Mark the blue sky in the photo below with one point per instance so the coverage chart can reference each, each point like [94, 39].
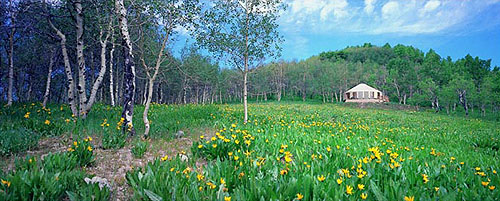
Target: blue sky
[451, 27]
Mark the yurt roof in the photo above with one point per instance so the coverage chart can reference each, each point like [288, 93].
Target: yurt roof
[362, 87]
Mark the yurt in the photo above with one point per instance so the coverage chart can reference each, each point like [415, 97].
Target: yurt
[362, 93]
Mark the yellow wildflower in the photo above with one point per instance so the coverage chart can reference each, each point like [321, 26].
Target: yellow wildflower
[47, 122]
[200, 177]
[339, 181]
[227, 198]
[6, 182]
[321, 178]
[361, 186]
[412, 198]
[299, 196]
[425, 178]
[348, 190]
[364, 196]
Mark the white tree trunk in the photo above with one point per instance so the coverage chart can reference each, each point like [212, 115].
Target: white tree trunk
[82, 95]
[67, 70]
[245, 94]
[129, 82]
[102, 71]
[111, 81]
[49, 77]
[159, 60]
[11, 65]
[146, 108]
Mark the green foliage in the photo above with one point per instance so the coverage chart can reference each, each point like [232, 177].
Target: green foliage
[83, 150]
[17, 140]
[53, 178]
[218, 146]
[58, 162]
[113, 140]
[246, 33]
[167, 180]
[89, 192]
[28, 163]
[140, 147]
[287, 149]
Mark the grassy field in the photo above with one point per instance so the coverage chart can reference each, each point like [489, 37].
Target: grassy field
[287, 151]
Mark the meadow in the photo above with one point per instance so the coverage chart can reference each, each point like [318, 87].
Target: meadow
[287, 151]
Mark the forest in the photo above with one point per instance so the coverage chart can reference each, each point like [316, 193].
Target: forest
[35, 68]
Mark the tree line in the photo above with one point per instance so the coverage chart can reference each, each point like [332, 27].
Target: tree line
[404, 73]
[120, 53]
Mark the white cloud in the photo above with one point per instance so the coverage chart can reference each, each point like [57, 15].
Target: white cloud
[390, 9]
[369, 6]
[326, 8]
[431, 5]
[335, 7]
[382, 16]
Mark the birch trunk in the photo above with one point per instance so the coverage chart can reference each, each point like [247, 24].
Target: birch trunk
[67, 70]
[11, 64]
[102, 71]
[49, 77]
[111, 81]
[147, 126]
[80, 58]
[159, 60]
[129, 76]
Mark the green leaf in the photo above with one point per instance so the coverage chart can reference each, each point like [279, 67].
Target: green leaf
[72, 196]
[153, 196]
[377, 192]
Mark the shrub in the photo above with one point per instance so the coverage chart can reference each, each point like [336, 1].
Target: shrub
[55, 177]
[113, 140]
[59, 162]
[164, 180]
[17, 140]
[139, 149]
[43, 125]
[28, 163]
[83, 150]
[40, 184]
[89, 192]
